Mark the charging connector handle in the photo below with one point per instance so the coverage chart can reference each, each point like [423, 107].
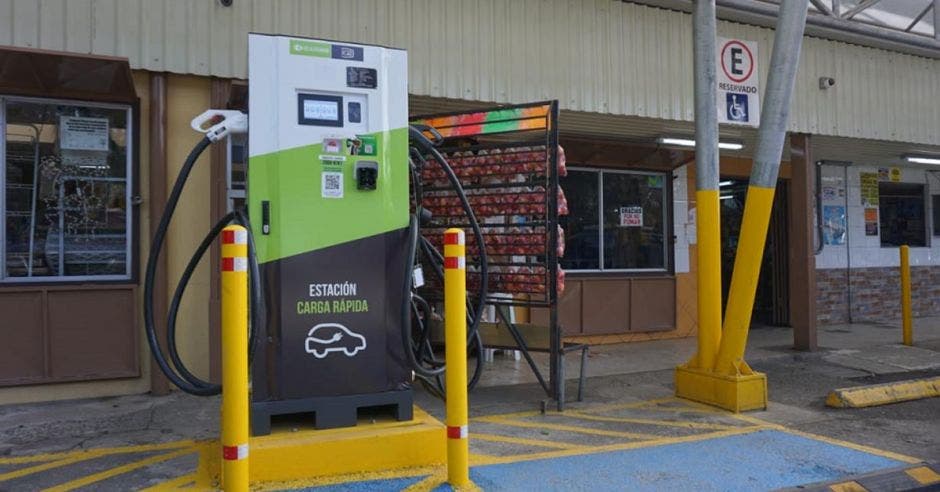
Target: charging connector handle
[219, 123]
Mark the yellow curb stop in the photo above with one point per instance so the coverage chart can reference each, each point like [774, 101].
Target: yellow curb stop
[883, 394]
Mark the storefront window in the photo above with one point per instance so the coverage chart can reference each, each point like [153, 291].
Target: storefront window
[902, 214]
[616, 221]
[66, 188]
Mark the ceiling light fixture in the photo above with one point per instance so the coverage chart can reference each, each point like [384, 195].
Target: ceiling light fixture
[688, 142]
[922, 159]
[725, 183]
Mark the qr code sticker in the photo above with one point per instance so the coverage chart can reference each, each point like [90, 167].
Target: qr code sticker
[332, 185]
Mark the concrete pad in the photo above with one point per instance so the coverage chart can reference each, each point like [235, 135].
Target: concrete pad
[903, 356]
[886, 359]
[784, 414]
[379, 445]
[849, 358]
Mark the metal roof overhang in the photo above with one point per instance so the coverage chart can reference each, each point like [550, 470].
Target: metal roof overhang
[643, 132]
[764, 14]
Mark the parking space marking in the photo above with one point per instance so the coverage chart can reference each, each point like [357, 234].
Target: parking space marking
[561, 427]
[118, 470]
[924, 475]
[527, 442]
[658, 404]
[429, 478]
[22, 472]
[847, 487]
[685, 424]
[659, 441]
[177, 483]
[92, 453]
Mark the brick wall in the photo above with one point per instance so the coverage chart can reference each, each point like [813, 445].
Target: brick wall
[875, 294]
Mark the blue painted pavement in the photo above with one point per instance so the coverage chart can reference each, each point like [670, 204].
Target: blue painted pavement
[761, 460]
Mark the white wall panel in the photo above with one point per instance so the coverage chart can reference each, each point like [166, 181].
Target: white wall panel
[595, 56]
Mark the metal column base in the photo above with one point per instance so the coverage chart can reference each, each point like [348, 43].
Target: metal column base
[331, 412]
[738, 393]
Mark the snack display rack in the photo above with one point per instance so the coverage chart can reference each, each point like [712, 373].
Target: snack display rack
[508, 161]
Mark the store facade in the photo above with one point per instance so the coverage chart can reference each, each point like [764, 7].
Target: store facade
[868, 211]
[70, 288]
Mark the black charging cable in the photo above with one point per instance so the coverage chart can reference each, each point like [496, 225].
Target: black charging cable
[174, 369]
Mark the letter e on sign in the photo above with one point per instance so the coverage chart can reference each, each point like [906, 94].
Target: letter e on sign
[737, 61]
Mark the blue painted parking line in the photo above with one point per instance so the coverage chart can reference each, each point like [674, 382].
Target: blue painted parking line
[760, 460]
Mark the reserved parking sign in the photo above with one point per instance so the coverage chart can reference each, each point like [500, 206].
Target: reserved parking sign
[738, 82]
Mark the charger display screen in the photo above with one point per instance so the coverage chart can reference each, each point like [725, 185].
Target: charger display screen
[319, 110]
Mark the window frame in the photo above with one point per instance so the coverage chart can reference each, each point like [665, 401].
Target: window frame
[934, 214]
[666, 221]
[130, 190]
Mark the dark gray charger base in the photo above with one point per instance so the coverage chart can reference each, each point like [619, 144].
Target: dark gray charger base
[331, 412]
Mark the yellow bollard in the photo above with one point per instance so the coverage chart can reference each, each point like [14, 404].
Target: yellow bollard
[455, 341]
[235, 358]
[906, 295]
[709, 277]
[747, 263]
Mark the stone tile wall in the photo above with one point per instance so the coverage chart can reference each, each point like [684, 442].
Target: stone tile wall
[875, 294]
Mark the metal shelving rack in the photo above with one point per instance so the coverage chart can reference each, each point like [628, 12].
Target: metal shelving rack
[22, 159]
[507, 161]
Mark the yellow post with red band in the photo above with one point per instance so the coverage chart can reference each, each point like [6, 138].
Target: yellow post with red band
[455, 341]
[906, 325]
[235, 358]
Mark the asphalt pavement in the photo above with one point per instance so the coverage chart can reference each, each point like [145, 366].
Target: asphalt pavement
[628, 418]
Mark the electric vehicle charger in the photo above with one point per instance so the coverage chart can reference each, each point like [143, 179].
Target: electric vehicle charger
[415, 331]
[331, 159]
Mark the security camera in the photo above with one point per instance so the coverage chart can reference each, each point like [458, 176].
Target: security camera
[226, 3]
[826, 82]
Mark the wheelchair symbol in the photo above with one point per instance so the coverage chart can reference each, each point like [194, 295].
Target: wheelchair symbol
[737, 106]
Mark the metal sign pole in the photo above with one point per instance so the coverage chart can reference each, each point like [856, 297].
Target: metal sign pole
[705, 33]
[775, 116]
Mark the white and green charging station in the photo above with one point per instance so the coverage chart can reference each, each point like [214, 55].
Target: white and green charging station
[328, 181]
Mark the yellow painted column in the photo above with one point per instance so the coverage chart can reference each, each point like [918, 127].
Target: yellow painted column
[709, 276]
[235, 358]
[906, 327]
[455, 342]
[747, 263]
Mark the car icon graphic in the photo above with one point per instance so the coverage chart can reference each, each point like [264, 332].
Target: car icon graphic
[333, 337]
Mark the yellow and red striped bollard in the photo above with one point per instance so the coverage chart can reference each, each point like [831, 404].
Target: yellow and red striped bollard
[235, 358]
[455, 342]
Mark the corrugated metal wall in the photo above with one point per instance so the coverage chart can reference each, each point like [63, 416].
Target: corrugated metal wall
[597, 56]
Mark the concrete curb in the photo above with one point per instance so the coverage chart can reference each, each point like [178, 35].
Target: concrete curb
[922, 476]
[883, 394]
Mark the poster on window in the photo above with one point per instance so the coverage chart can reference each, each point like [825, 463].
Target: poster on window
[871, 221]
[834, 224]
[81, 133]
[869, 182]
[631, 216]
